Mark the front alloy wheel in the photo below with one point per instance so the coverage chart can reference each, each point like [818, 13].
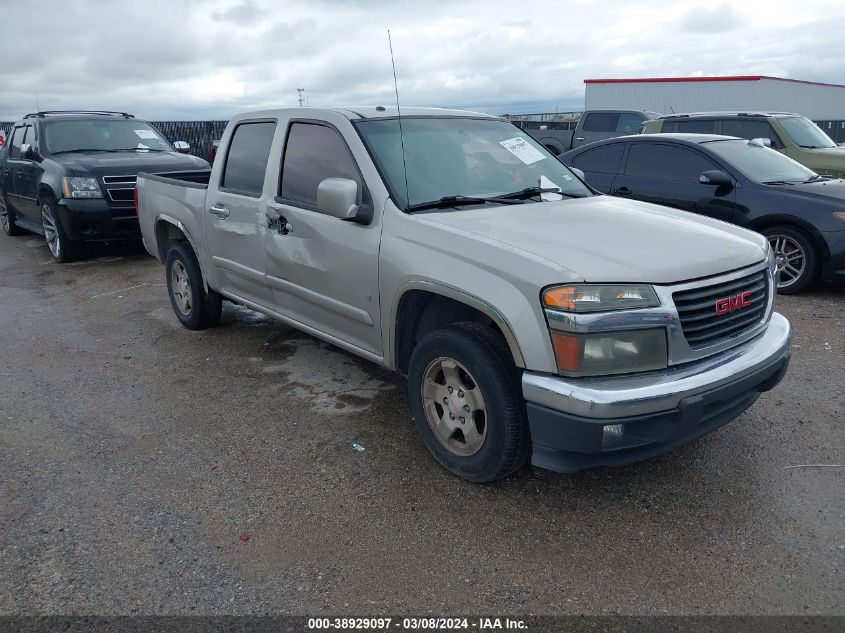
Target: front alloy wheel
[51, 230]
[454, 406]
[465, 395]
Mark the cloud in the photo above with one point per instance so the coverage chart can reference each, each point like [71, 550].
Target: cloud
[712, 19]
[213, 58]
[243, 13]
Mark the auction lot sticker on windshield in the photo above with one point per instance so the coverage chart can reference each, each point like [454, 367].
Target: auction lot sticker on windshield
[520, 148]
[146, 134]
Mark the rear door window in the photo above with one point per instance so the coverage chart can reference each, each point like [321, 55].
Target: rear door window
[666, 162]
[696, 127]
[602, 160]
[601, 122]
[16, 142]
[313, 153]
[246, 160]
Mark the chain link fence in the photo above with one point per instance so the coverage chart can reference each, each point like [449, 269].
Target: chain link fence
[199, 134]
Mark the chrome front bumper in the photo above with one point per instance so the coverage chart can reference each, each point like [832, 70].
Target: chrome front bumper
[623, 397]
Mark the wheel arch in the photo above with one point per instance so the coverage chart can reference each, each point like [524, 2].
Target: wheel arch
[46, 190]
[169, 230]
[794, 222]
[422, 306]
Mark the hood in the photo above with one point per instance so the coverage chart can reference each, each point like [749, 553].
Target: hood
[832, 191]
[825, 160]
[100, 164]
[608, 239]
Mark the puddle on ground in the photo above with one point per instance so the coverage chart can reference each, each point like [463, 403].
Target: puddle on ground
[331, 380]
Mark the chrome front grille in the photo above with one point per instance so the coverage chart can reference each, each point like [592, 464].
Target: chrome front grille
[701, 322]
[120, 189]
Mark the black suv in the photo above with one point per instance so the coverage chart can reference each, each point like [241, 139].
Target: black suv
[70, 176]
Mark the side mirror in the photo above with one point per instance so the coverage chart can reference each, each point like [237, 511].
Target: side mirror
[182, 147]
[27, 152]
[338, 197]
[578, 172]
[716, 177]
[760, 142]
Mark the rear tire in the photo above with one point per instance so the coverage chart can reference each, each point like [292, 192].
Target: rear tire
[466, 399]
[195, 307]
[7, 220]
[797, 258]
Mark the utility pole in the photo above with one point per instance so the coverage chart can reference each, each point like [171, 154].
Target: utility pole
[301, 92]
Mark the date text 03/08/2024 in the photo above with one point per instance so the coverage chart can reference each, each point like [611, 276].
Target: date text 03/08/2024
[418, 624]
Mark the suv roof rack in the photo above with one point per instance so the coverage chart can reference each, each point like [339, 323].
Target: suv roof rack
[46, 113]
[726, 113]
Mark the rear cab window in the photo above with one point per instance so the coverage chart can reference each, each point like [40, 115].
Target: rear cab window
[314, 152]
[601, 122]
[246, 160]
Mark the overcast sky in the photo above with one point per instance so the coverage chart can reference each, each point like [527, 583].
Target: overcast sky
[198, 59]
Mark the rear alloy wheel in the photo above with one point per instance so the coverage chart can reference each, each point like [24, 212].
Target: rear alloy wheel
[7, 220]
[195, 307]
[796, 258]
[61, 248]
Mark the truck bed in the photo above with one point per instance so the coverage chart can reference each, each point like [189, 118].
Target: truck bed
[178, 198]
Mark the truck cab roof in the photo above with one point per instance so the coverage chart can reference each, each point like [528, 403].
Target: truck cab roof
[356, 113]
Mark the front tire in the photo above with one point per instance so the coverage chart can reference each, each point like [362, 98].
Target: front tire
[797, 258]
[466, 400]
[61, 248]
[195, 307]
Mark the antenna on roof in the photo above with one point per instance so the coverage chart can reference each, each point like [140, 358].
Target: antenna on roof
[671, 109]
[399, 116]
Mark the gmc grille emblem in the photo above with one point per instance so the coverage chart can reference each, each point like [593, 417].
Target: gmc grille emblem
[730, 304]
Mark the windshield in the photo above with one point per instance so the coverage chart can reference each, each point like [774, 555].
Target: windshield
[102, 135]
[460, 156]
[805, 133]
[759, 163]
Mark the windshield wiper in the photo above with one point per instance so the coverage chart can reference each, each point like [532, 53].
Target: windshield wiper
[778, 182]
[447, 202]
[817, 178]
[83, 149]
[530, 192]
[138, 149]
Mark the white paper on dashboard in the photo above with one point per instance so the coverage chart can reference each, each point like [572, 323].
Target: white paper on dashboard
[145, 134]
[545, 183]
[522, 149]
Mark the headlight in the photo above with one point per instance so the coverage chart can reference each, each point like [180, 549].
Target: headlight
[600, 298]
[81, 188]
[610, 353]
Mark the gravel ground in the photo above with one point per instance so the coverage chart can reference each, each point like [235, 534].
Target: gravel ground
[146, 469]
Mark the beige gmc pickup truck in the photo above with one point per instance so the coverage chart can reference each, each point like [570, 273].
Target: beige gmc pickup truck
[535, 319]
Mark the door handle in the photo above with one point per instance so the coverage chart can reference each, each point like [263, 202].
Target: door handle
[219, 210]
[280, 225]
[621, 191]
[579, 138]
